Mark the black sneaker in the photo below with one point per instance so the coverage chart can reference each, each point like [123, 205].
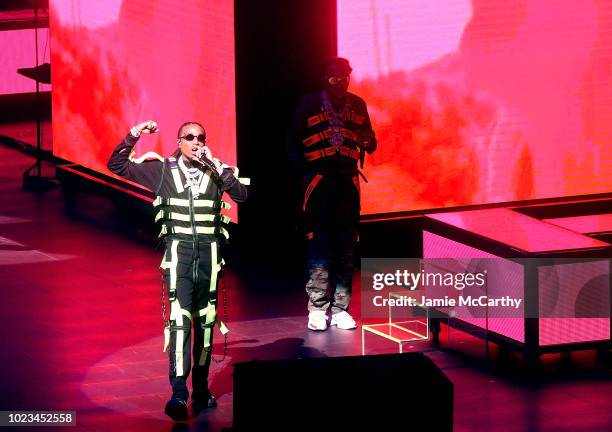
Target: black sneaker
[201, 403]
[176, 409]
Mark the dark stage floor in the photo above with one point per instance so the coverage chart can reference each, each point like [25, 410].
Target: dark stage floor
[82, 330]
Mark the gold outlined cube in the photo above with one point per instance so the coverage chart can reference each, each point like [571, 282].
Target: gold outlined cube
[400, 332]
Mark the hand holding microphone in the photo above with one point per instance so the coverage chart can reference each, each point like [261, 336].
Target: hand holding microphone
[205, 157]
[365, 141]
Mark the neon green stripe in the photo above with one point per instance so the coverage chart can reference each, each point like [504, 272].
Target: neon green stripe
[166, 338]
[185, 203]
[178, 348]
[207, 339]
[177, 179]
[199, 230]
[173, 264]
[205, 351]
[163, 214]
[201, 312]
[211, 317]
[187, 314]
[214, 267]
[223, 328]
[204, 183]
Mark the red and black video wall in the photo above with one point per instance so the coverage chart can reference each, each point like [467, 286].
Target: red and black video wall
[473, 101]
[119, 62]
[481, 101]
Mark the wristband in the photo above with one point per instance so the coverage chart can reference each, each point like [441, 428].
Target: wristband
[135, 132]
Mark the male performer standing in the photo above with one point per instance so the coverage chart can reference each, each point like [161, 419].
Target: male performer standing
[188, 191]
[329, 133]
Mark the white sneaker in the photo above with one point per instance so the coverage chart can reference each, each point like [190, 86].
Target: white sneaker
[343, 320]
[317, 320]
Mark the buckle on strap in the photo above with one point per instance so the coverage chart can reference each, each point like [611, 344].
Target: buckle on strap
[349, 152]
[316, 119]
[349, 134]
[313, 139]
[354, 117]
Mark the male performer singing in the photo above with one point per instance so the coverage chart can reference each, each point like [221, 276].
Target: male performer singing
[188, 191]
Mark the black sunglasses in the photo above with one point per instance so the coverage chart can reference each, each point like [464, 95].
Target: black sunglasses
[190, 137]
[338, 80]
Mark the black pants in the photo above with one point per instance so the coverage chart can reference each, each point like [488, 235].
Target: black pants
[331, 219]
[190, 275]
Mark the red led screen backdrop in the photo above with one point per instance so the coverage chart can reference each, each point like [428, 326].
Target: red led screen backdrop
[481, 101]
[119, 62]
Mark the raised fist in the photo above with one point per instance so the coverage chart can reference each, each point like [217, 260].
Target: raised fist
[146, 127]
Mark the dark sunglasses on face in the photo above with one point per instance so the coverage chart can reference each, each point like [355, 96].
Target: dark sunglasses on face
[337, 80]
[189, 137]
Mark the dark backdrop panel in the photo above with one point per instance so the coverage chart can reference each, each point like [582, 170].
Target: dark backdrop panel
[280, 46]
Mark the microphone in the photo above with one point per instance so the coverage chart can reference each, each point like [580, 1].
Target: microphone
[206, 163]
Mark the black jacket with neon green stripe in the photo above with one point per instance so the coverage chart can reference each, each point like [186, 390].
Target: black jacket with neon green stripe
[180, 215]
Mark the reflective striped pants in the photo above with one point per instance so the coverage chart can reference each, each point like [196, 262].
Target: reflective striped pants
[190, 275]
